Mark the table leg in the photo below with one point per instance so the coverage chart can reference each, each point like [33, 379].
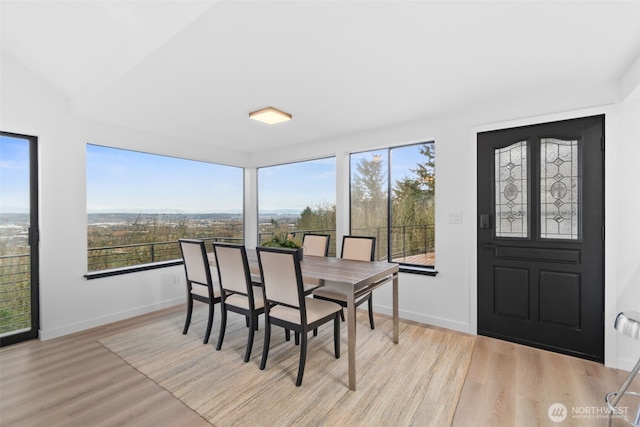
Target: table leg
[351, 339]
[396, 322]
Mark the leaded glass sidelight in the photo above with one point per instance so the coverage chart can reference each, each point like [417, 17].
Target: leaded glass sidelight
[559, 189]
[511, 185]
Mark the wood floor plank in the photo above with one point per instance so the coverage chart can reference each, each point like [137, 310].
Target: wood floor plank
[513, 385]
[75, 381]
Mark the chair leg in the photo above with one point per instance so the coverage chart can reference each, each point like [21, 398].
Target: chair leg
[336, 336]
[252, 330]
[297, 338]
[371, 312]
[223, 328]
[342, 314]
[303, 357]
[265, 347]
[209, 323]
[287, 335]
[187, 322]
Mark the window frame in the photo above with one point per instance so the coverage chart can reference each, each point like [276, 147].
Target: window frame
[333, 246]
[95, 274]
[428, 270]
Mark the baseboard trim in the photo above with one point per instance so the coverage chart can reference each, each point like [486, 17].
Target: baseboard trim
[427, 320]
[48, 334]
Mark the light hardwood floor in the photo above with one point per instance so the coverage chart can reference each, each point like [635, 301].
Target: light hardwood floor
[75, 381]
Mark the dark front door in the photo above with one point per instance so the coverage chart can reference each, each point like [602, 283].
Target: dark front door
[541, 236]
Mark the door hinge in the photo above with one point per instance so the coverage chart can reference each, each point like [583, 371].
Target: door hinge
[602, 232]
[602, 143]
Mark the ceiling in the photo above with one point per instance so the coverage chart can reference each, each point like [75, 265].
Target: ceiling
[194, 70]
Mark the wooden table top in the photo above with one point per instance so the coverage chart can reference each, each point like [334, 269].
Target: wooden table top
[336, 273]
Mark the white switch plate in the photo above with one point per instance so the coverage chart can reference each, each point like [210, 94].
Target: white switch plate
[455, 217]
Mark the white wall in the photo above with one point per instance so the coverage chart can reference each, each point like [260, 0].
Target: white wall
[71, 303]
[623, 230]
[449, 299]
[68, 301]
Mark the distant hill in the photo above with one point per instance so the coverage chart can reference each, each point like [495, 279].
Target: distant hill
[93, 218]
[14, 218]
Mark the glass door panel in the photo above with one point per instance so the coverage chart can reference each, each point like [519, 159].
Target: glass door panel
[511, 187]
[559, 189]
[18, 266]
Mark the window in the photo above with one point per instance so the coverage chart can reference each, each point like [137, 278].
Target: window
[393, 199]
[140, 204]
[296, 198]
[19, 255]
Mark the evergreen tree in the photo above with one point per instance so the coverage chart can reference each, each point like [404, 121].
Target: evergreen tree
[369, 194]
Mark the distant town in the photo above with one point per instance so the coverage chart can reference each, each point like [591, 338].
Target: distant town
[14, 227]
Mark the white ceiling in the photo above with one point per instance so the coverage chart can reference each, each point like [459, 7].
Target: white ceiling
[195, 69]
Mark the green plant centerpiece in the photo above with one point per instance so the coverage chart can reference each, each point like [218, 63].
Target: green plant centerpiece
[282, 240]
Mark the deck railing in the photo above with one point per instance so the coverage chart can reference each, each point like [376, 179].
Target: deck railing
[108, 257]
[407, 240]
[15, 293]
[15, 276]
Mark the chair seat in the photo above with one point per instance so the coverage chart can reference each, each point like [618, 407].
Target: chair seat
[316, 310]
[329, 293]
[628, 323]
[203, 292]
[238, 300]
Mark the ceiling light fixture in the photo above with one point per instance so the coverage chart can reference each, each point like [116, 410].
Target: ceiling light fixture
[270, 116]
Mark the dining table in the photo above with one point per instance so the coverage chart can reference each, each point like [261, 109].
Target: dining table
[348, 277]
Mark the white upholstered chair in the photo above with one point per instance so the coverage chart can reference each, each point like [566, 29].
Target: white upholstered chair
[287, 306]
[200, 284]
[358, 248]
[238, 293]
[316, 244]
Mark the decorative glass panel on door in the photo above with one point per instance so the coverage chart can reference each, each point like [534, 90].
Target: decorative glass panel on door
[511, 184]
[559, 189]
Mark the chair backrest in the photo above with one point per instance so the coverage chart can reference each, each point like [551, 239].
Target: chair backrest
[316, 244]
[358, 248]
[281, 276]
[196, 263]
[233, 268]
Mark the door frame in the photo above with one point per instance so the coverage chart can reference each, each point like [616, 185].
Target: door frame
[34, 241]
[610, 287]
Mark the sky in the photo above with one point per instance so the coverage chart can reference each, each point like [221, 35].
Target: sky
[133, 182]
[129, 181]
[295, 186]
[14, 175]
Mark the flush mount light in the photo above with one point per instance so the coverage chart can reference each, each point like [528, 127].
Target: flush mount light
[270, 116]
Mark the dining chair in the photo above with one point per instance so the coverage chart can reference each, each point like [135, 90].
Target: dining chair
[238, 293]
[316, 244]
[287, 306]
[200, 285]
[358, 248]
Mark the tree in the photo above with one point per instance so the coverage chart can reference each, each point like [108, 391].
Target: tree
[426, 170]
[369, 194]
[413, 198]
[323, 217]
[413, 207]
